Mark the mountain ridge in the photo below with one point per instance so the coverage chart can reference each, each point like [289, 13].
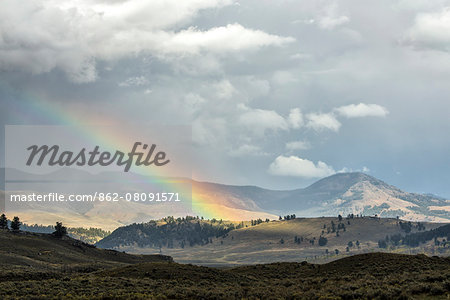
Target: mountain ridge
[360, 193]
[341, 193]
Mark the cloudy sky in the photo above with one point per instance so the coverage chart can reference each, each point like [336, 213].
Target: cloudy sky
[278, 93]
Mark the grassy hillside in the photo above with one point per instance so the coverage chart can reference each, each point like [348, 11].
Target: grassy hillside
[25, 253]
[276, 241]
[40, 266]
[367, 276]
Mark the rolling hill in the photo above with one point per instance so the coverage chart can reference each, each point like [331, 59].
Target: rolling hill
[286, 240]
[25, 252]
[37, 266]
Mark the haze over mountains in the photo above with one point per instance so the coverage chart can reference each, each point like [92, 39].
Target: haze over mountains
[356, 193]
[342, 193]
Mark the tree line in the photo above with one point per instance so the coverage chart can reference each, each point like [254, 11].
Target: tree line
[15, 225]
[170, 232]
[417, 238]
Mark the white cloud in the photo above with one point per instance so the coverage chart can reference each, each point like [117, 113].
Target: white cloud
[327, 18]
[208, 131]
[295, 118]
[73, 35]
[224, 89]
[331, 17]
[297, 145]
[299, 167]
[247, 150]
[252, 87]
[362, 110]
[193, 103]
[347, 170]
[329, 22]
[260, 120]
[303, 21]
[301, 56]
[232, 37]
[431, 30]
[134, 81]
[320, 122]
[283, 77]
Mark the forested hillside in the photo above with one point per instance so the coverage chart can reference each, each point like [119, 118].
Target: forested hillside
[87, 235]
[169, 232]
[417, 238]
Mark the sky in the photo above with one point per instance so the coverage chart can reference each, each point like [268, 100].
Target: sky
[278, 93]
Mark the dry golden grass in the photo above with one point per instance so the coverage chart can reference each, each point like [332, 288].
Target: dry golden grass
[261, 243]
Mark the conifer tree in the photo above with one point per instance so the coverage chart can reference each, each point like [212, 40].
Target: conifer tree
[60, 230]
[3, 222]
[15, 224]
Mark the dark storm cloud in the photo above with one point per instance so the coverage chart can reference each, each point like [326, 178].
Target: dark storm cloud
[278, 93]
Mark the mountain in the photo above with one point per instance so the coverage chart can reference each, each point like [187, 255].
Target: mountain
[342, 193]
[209, 200]
[360, 193]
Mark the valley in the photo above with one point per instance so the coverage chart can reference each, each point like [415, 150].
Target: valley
[316, 240]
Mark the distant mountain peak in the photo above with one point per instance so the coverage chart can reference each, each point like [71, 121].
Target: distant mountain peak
[340, 182]
[341, 193]
[357, 176]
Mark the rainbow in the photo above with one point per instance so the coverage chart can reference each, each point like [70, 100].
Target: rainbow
[40, 111]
